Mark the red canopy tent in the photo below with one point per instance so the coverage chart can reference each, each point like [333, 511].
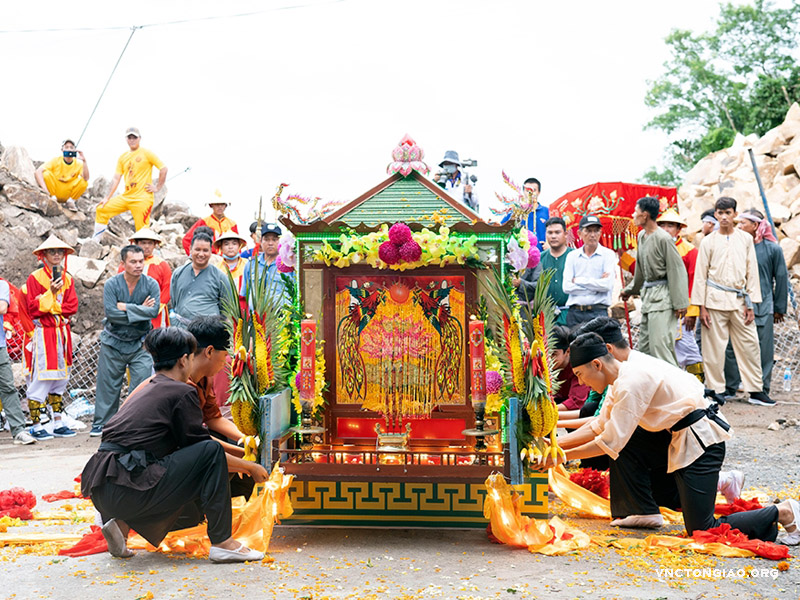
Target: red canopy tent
[613, 203]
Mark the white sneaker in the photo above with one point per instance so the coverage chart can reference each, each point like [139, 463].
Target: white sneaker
[730, 485]
[640, 521]
[793, 538]
[241, 554]
[23, 438]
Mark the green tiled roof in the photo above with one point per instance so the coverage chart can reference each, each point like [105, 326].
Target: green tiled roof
[403, 200]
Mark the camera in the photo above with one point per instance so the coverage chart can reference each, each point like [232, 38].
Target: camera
[70, 153]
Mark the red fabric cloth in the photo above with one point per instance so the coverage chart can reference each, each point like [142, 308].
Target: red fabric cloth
[592, 480]
[17, 503]
[737, 506]
[733, 537]
[62, 495]
[91, 543]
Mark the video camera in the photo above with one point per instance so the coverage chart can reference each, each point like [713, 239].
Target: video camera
[70, 153]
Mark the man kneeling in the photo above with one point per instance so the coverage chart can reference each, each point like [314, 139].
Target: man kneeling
[156, 459]
[656, 396]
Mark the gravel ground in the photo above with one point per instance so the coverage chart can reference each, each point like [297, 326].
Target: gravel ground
[361, 563]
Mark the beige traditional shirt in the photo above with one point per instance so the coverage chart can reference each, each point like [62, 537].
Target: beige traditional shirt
[652, 394]
[729, 260]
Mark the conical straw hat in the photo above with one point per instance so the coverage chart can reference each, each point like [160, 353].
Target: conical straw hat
[229, 235]
[145, 233]
[53, 243]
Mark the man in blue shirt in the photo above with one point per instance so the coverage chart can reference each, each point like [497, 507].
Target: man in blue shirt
[589, 275]
[267, 266]
[8, 391]
[536, 219]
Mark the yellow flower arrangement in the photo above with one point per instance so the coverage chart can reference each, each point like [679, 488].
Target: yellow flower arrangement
[440, 249]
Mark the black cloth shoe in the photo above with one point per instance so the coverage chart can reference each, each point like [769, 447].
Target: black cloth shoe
[714, 396]
[761, 399]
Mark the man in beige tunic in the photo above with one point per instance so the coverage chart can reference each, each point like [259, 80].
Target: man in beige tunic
[660, 278]
[726, 285]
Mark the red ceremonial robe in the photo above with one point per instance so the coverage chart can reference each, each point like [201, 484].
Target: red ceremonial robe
[52, 337]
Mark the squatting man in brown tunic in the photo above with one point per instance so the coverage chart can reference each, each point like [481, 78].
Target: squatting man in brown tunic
[656, 396]
[156, 461]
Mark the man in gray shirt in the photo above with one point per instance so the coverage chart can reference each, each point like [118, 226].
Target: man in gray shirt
[131, 300]
[197, 289]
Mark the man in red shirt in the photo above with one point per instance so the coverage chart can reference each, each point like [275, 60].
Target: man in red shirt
[216, 221]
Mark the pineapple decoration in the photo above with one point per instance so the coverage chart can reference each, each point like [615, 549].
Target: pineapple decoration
[261, 340]
[529, 362]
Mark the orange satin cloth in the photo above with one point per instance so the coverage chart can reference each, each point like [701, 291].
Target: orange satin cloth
[589, 503]
[253, 520]
[554, 537]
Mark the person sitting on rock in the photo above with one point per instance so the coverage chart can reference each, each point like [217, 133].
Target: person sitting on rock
[65, 178]
[137, 167]
[217, 221]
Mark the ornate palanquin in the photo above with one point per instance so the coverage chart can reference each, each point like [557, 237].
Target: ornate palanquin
[398, 368]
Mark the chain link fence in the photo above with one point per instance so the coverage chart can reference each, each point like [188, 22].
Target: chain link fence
[86, 351]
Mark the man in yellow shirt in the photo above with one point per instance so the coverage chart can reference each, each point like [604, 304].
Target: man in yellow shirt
[137, 167]
[65, 178]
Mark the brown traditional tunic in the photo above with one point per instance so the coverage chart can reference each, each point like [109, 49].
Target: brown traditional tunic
[161, 418]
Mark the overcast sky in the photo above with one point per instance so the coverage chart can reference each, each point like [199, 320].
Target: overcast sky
[317, 96]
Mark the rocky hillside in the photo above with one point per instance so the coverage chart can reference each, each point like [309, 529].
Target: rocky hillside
[729, 172]
[28, 216]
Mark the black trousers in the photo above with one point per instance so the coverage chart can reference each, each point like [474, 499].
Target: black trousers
[638, 479]
[697, 485]
[196, 476]
[577, 317]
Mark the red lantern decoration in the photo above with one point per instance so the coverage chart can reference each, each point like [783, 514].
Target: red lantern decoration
[308, 358]
[477, 355]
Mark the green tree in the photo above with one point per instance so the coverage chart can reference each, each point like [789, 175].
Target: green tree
[740, 78]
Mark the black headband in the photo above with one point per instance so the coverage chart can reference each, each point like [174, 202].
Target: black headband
[583, 354]
[561, 343]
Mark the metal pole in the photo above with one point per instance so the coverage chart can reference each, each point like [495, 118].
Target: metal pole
[761, 191]
[769, 215]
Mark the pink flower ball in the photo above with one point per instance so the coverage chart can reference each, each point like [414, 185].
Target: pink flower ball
[399, 234]
[388, 253]
[494, 382]
[282, 268]
[410, 251]
[297, 380]
[533, 239]
[534, 256]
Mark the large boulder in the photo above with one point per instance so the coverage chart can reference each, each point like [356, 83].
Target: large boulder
[791, 251]
[16, 160]
[86, 270]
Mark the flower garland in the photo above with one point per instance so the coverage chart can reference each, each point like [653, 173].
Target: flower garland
[400, 249]
[319, 383]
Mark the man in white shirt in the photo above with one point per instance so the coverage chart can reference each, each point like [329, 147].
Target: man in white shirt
[589, 275]
[726, 285]
[656, 396]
